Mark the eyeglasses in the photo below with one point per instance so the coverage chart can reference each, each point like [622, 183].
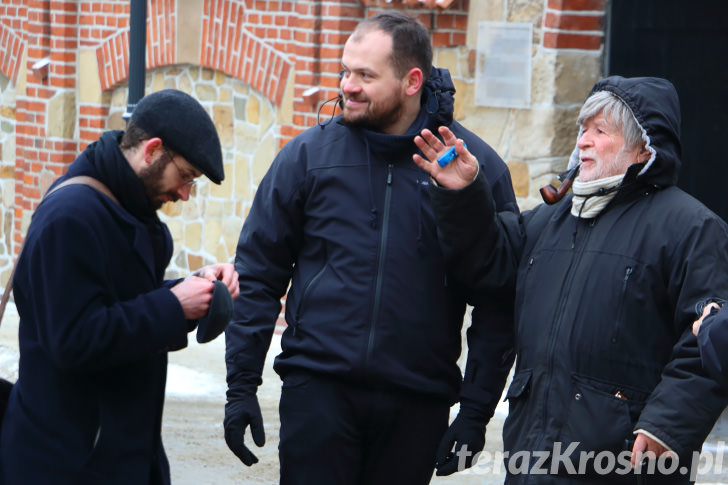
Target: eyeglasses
[187, 178]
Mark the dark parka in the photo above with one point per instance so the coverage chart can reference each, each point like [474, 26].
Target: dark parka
[345, 216]
[96, 322]
[604, 306]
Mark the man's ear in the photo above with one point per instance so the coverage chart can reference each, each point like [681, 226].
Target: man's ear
[644, 154]
[413, 79]
[150, 147]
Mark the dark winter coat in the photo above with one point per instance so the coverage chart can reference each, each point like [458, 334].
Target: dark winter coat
[344, 215]
[604, 306]
[96, 322]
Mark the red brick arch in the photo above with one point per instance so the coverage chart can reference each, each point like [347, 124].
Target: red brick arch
[226, 46]
[11, 45]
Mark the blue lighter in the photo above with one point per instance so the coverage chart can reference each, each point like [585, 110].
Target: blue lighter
[448, 156]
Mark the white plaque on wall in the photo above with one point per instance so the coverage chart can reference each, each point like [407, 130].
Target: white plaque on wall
[503, 66]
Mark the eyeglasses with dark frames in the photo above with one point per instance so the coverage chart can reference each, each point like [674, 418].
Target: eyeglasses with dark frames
[187, 178]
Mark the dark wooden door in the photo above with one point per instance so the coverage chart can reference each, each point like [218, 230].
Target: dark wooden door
[686, 42]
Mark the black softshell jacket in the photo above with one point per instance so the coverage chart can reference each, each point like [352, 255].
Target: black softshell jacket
[344, 216]
[604, 306]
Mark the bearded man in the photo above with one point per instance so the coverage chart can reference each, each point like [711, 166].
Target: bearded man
[97, 317]
[369, 361]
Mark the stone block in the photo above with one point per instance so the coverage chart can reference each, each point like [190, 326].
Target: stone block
[185, 83]
[565, 131]
[464, 94]
[528, 11]
[115, 121]
[7, 112]
[61, 115]
[483, 11]
[119, 98]
[240, 108]
[157, 83]
[223, 119]
[205, 92]
[89, 83]
[194, 262]
[176, 229]
[7, 172]
[231, 227]
[576, 74]
[267, 116]
[226, 95]
[8, 151]
[543, 66]
[532, 133]
[520, 177]
[447, 59]
[211, 235]
[263, 157]
[253, 109]
[222, 254]
[193, 236]
[172, 209]
[207, 74]
[241, 170]
[225, 189]
[8, 193]
[191, 209]
[214, 209]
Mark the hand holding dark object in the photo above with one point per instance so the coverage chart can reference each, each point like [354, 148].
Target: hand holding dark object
[218, 316]
[242, 411]
[705, 309]
[462, 441]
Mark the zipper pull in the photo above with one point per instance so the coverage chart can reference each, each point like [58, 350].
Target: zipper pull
[389, 174]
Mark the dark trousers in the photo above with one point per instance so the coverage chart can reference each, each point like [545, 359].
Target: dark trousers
[333, 433]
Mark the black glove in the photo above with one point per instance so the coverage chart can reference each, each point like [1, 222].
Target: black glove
[241, 411]
[467, 433]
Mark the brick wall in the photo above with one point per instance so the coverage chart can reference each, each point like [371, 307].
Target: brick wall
[574, 24]
[286, 51]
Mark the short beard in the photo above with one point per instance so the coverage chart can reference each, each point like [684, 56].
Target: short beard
[151, 178]
[375, 121]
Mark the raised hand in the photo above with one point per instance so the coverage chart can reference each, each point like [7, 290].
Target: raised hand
[460, 172]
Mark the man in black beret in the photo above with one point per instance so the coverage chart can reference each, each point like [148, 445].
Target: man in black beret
[97, 317]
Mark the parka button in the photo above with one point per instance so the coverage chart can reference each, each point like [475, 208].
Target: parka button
[577, 396]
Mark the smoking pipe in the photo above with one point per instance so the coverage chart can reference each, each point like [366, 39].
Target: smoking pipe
[551, 194]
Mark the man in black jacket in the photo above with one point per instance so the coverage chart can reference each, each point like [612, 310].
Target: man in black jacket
[97, 317]
[605, 286]
[369, 361]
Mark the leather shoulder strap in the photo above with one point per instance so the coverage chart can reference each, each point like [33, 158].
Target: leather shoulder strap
[84, 180]
[80, 179]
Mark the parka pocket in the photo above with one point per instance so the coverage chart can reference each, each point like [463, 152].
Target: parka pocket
[517, 397]
[601, 415]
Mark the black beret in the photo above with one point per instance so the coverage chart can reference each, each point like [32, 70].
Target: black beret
[184, 126]
[218, 316]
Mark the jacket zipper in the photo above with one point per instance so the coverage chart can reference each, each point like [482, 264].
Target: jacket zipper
[625, 281]
[559, 317]
[380, 266]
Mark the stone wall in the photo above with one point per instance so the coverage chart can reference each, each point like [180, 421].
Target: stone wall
[535, 142]
[253, 65]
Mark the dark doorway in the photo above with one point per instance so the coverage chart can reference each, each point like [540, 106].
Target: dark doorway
[685, 41]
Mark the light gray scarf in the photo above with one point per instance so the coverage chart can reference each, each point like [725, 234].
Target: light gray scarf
[590, 198]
